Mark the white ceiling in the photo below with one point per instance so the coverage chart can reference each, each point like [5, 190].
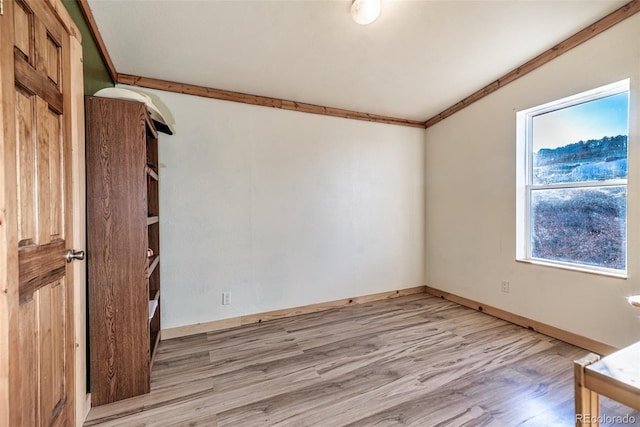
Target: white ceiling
[417, 59]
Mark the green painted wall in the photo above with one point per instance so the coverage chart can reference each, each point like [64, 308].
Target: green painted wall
[96, 76]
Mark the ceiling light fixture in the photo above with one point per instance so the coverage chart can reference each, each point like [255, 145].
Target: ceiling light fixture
[365, 11]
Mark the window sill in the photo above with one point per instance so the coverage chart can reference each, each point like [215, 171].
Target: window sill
[571, 267]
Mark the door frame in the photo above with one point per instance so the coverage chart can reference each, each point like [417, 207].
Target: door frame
[78, 270]
[73, 99]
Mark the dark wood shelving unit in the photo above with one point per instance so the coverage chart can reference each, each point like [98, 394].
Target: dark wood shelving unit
[123, 222]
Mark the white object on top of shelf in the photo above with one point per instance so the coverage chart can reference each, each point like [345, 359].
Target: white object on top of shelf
[156, 115]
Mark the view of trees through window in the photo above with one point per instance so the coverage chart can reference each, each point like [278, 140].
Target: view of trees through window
[578, 183]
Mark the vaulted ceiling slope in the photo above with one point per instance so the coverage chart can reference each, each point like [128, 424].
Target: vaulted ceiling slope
[417, 59]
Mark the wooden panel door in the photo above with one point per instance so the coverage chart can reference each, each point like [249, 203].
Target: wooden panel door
[41, 327]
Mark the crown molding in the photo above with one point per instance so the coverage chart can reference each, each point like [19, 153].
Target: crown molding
[227, 95]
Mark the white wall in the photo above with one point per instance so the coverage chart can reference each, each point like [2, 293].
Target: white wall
[283, 209]
[470, 192]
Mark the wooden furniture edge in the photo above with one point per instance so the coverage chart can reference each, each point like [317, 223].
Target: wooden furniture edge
[233, 322]
[586, 402]
[97, 37]
[620, 393]
[153, 265]
[561, 48]
[155, 352]
[534, 325]
[226, 95]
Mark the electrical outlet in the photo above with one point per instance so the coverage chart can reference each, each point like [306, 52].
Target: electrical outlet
[505, 286]
[226, 298]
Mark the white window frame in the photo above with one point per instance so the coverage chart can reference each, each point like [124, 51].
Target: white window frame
[524, 178]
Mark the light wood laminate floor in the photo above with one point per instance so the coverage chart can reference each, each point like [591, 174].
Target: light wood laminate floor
[416, 360]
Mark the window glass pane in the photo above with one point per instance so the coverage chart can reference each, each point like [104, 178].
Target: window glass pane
[580, 225]
[584, 142]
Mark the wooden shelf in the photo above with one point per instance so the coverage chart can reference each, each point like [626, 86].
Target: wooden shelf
[151, 173]
[154, 263]
[128, 297]
[150, 127]
[154, 340]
